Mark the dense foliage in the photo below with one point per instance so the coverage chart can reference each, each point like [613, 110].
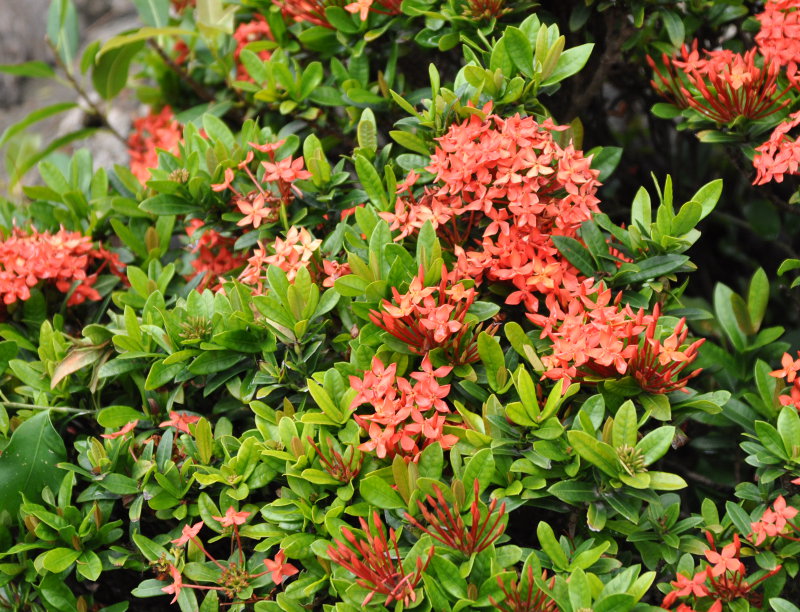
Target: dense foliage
[365, 323]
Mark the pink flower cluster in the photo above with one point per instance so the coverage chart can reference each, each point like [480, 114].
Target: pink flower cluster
[214, 255]
[779, 37]
[596, 338]
[289, 254]
[425, 318]
[502, 188]
[406, 416]
[61, 259]
[779, 155]
[788, 372]
[150, 133]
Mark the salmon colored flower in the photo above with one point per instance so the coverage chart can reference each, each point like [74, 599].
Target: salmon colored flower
[727, 560]
[232, 517]
[180, 421]
[188, 533]
[150, 133]
[279, 569]
[122, 431]
[176, 586]
[255, 30]
[779, 155]
[359, 6]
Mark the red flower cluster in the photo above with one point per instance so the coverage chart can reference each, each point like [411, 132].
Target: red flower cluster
[449, 528]
[779, 155]
[246, 33]
[275, 189]
[774, 522]
[720, 582]
[788, 372]
[213, 255]
[289, 255]
[779, 37]
[596, 338]
[61, 258]
[425, 318]
[377, 563]
[513, 183]
[407, 417]
[722, 85]
[152, 132]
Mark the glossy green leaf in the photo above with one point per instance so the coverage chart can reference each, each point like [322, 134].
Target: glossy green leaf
[29, 462]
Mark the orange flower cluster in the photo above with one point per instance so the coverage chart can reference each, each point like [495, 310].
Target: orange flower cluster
[246, 33]
[722, 85]
[289, 255]
[513, 183]
[723, 580]
[313, 11]
[779, 155]
[425, 318]
[61, 258]
[788, 372]
[213, 255]
[152, 132]
[275, 189]
[407, 417]
[595, 338]
[779, 37]
[774, 522]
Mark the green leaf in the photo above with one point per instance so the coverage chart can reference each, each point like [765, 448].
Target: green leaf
[708, 196]
[789, 429]
[641, 210]
[653, 267]
[570, 62]
[726, 316]
[29, 462]
[62, 29]
[217, 130]
[166, 204]
[574, 491]
[664, 481]
[781, 605]
[687, 217]
[606, 160]
[34, 117]
[656, 444]
[739, 517]
[110, 72]
[153, 13]
[576, 254]
[492, 357]
[480, 467]
[598, 453]
[377, 492]
[549, 544]
[625, 428]
[757, 298]
[371, 182]
[59, 559]
[410, 141]
[519, 50]
[675, 29]
[35, 69]
[140, 35]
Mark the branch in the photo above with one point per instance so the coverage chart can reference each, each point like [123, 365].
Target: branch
[618, 28]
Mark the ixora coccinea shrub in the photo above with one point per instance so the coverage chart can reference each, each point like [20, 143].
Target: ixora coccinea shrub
[346, 334]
